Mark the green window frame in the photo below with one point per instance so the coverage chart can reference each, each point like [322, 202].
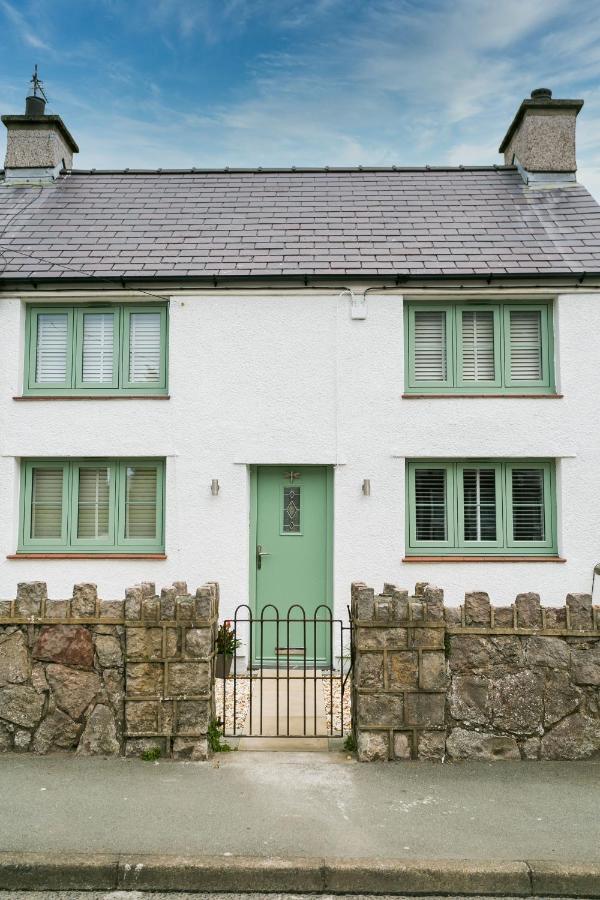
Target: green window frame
[479, 348]
[92, 515]
[491, 507]
[96, 360]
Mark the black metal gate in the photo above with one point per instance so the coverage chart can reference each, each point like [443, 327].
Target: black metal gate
[293, 679]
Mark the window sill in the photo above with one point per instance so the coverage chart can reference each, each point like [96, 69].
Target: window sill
[87, 556]
[458, 396]
[483, 559]
[36, 397]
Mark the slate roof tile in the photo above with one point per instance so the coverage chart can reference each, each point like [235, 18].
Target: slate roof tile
[383, 222]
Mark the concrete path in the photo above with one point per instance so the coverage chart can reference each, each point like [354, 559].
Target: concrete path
[292, 706]
[310, 805]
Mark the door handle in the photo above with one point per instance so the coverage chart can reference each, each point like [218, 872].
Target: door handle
[259, 555]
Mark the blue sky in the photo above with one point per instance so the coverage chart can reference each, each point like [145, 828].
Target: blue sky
[151, 83]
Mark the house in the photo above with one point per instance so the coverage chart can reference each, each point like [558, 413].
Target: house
[291, 379]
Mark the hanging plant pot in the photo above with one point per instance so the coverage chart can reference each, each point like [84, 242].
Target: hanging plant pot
[223, 663]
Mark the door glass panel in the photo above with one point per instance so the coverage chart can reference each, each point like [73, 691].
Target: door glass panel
[291, 510]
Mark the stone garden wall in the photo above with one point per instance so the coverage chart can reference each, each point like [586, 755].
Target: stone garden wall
[474, 682]
[108, 677]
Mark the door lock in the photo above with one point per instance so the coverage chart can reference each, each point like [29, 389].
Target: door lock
[259, 555]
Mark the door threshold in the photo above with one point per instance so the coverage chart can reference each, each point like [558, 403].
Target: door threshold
[266, 744]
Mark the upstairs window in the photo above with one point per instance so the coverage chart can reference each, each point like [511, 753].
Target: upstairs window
[118, 349]
[481, 507]
[479, 348]
[92, 505]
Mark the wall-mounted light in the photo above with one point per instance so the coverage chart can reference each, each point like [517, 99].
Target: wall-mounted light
[214, 487]
[366, 487]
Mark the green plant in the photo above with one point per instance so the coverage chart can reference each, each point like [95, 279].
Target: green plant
[350, 744]
[152, 754]
[214, 734]
[227, 643]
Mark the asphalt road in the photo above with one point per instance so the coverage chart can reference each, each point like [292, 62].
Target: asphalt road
[142, 895]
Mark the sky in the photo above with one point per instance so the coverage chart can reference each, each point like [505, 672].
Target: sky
[213, 83]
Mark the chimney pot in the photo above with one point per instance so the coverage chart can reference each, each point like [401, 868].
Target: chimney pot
[34, 106]
[541, 94]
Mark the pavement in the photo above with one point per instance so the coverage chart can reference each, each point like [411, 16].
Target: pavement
[300, 822]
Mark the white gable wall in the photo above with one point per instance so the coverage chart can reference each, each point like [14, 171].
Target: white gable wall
[290, 378]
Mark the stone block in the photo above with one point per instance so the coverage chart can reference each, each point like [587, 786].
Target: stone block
[113, 681]
[431, 745]
[364, 599]
[369, 670]
[100, 734]
[108, 650]
[22, 739]
[384, 609]
[198, 642]
[144, 678]
[585, 665]
[166, 718]
[388, 589]
[403, 669]
[427, 638]
[400, 605]
[84, 600]
[529, 610]
[475, 654]
[38, 678]
[530, 748]
[576, 737]
[57, 731]
[452, 615]
[469, 699]
[167, 603]
[189, 678]
[195, 749]
[58, 609]
[70, 645]
[30, 597]
[379, 709]
[420, 587]
[504, 617]
[378, 638]
[6, 738]
[425, 709]
[477, 608]
[112, 609]
[580, 611]
[561, 696]
[551, 652]
[463, 744]
[432, 673]
[144, 643]
[416, 611]
[21, 704]
[402, 745]
[204, 607]
[133, 603]
[434, 599]
[184, 609]
[141, 716]
[193, 716]
[136, 746]
[556, 617]
[5, 609]
[517, 702]
[72, 689]
[150, 609]
[15, 665]
[373, 746]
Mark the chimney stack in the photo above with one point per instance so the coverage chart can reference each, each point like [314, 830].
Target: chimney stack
[38, 147]
[541, 138]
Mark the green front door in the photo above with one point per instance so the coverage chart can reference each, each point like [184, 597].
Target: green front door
[291, 563]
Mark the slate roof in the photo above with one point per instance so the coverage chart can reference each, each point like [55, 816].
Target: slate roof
[392, 222]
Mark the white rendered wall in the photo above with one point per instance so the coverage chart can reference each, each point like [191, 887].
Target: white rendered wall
[290, 378]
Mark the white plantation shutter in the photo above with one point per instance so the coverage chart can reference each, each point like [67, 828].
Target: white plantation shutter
[98, 347]
[51, 349]
[144, 348]
[46, 502]
[525, 345]
[430, 504]
[479, 504]
[528, 505]
[478, 345]
[430, 346]
[93, 503]
[141, 496]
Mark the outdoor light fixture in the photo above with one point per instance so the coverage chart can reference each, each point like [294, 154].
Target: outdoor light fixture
[366, 487]
[214, 487]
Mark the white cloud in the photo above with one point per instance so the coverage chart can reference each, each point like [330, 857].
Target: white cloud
[23, 27]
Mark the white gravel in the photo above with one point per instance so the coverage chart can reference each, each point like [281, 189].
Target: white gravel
[242, 698]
